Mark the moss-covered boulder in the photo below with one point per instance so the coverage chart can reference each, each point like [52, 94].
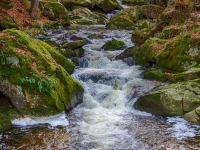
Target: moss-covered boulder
[151, 11]
[177, 54]
[54, 11]
[125, 19]
[172, 100]
[84, 16]
[165, 101]
[170, 16]
[73, 49]
[170, 31]
[113, 45]
[69, 53]
[108, 5]
[143, 30]
[35, 77]
[193, 116]
[139, 36]
[134, 53]
[168, 76]
[5, 123]
[70, 4]
[134, 2]
[74, 44]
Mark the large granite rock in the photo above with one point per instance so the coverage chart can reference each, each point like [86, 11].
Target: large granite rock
[55, 11]
[176, 54]
[108, 5]
[84, 16]
[35, 77]
[172, 100]
[125, 19]
[69, 4]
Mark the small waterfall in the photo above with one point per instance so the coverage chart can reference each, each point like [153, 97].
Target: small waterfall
[106, 119]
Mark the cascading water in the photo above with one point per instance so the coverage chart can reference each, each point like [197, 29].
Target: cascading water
[106, 119]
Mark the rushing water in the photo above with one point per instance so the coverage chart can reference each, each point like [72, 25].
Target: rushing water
[106, 119]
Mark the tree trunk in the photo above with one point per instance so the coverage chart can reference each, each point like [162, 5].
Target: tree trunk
[34, 9]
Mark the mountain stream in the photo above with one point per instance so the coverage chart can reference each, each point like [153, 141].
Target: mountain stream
[106, 120]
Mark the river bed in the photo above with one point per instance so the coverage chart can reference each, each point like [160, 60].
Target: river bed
[106, 120]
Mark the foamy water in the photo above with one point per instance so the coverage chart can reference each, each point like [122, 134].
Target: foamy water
[106, 119]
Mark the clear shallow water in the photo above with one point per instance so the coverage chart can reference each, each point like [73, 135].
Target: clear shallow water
[106, 119]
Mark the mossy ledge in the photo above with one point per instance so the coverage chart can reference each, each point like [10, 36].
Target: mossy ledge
[35, 77]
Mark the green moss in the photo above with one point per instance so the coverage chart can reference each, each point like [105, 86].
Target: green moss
[152, 48]
[7, 22]
[40, 71]
[155, 75]
[5, 123]
[55, 11]
[174, 56]
[125, 19]
[113, 45]
[170, 31]
[108, 5]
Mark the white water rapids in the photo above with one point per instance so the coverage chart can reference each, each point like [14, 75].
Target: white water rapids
[106, 119]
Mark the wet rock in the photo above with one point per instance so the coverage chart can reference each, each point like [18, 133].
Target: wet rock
[175, 99]
[55, 11]
[35, 77]
[125, 19]
[113, 45]
[84, 16]
[75, 38]
[129, 61]
[80, 62]
[135, 53]
[193, 117]
[74, 44]
[69, 53]
[96, 36]
[108, 5]
[165, 101]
